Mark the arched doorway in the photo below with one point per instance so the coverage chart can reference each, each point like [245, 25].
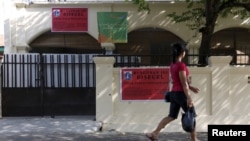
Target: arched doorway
[152, 44]
[54, 42]
[234, 42]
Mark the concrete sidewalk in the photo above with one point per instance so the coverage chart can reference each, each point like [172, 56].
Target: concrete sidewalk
[71, 128]
[76, 124]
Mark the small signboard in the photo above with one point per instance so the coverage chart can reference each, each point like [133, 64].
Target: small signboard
[69, 20]
[144, 83]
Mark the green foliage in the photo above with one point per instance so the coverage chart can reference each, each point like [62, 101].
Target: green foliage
[195, 17]
[142, 5]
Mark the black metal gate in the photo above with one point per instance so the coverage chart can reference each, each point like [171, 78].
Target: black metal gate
[48, 84]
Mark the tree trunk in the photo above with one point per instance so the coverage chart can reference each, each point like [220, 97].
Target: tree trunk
[207, 32]
[204, 50]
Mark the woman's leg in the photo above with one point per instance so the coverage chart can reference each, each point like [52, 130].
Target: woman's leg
[194, 136]
[173, 114]
[161, 125]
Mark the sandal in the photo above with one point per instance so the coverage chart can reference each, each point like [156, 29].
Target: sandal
[151, 137]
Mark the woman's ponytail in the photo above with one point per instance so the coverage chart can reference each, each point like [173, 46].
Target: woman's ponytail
[174, 55]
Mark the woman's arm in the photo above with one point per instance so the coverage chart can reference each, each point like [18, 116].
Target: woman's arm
[185, 85]
[192, 88]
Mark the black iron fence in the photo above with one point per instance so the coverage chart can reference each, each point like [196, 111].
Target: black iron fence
[165, 60]
[77, 70]
[50, 70]
[48, 84]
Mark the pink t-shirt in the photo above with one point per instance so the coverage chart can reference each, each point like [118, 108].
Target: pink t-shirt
[174, 70]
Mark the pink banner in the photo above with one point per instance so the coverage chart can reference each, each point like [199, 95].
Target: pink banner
[144, 83]
[69, 20]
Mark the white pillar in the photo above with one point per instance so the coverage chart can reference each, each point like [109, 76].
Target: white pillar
[104, 100]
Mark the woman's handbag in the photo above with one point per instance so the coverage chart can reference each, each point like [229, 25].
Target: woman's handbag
[167, 96]
[188, 120]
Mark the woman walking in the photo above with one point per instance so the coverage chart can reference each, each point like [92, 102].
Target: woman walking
[180, 96]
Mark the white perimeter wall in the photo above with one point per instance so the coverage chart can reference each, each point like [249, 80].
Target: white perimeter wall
[223, 99]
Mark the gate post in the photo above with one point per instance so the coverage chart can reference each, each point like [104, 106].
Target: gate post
[109, 47]
[104, 100]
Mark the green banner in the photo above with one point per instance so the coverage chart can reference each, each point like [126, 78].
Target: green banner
[112, 27]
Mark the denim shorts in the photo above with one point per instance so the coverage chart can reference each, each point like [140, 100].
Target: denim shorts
[178, 100]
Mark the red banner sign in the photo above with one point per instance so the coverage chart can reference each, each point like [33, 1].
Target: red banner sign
[144, 84]
[69, 20]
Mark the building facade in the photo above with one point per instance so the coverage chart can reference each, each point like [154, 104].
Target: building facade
[28, 29]
[27, 20]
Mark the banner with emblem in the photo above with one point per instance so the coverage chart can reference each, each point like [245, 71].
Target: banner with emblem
[112, 27]
[144, 83]
[69, 20]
